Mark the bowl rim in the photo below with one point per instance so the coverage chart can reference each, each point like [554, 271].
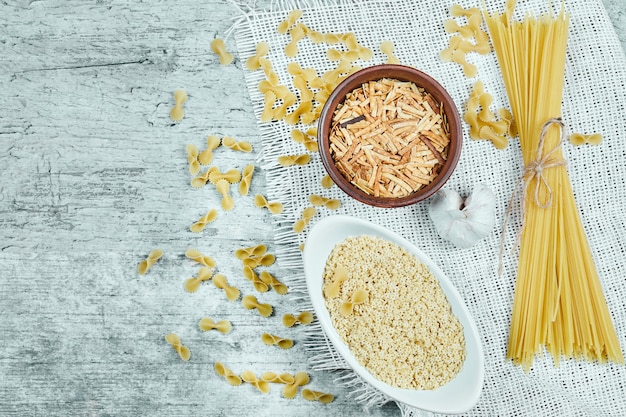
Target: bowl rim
[402, 73]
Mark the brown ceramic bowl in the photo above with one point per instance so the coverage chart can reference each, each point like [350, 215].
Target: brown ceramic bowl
[401, 73]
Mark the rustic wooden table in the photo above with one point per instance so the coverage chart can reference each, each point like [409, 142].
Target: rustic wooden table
[93, 175]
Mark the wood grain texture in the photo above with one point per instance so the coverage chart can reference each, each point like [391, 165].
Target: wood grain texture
[93, 175]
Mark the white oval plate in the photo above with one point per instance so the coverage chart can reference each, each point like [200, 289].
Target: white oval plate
[458, 395]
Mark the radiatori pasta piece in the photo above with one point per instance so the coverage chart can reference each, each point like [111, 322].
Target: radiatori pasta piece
[230, 376]
[289, 160]
[309, 142]
[300, 379]
[253, 64]
[146, 264]
[284, 378]
[275, 284]
[212, 143]
[232, 143]
[307, 215]
[192, 159]
[284, 26]
[232, 293]
[246, 179]
[198, 226]
[271, 339]
[257, 282]
[175, 342]
[322, 397]
[332, 289]
[223, 187]
[219, 48]
[329, 203]
[196, 255]
[360, 296]
[305, 317]
[250, 302]
[274, 207]
[192, 284]
[252, 251]
[252, 379]
[207, 324]
[387, 48]
[177, 113]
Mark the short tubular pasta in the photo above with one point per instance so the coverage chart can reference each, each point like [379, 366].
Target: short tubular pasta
[192, 284]
[271, 281]
[175, 342]
[251, 303]
[198, 226]
[289, 160]
[300, 379]
[274, 207]
[219, 48]
[246, 179]
[322, 397]
[305, 317]
[271, 339]
[220, 281]
[207, 324]
[284, 378]
[145, 265]
[212, 143]
[230, 376]
[307, 214]
[252, 379]
[329, 203]
[233, 144]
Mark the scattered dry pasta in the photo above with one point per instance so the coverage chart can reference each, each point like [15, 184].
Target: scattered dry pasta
[274, 207]
[219, 48]
[253, 63]
[195, 255]
[202, 179]
[309, 141]
[322, 397]
[232, 143]
[300, 379]
[212, 143]
[307, 215]
[246, 179]
[289, 160]
[257, 282]
[284, 378]
[198, 226]
[274, 283]
[230, 376]
[192, 284]
[223, 187]
[271, 339]
[252, 251]
[232, 293]
[233, 176]
[175, 342]
[145, 265]
[304, 318]
[333, 286]
[360, 296]
[387, 48]
[578, 139]
[207, 324]
[285, 25]
[483, 123]
[327, 181]
[329, 203]
[251, 303]
[177, 113]
[252, 379]
[192, 158]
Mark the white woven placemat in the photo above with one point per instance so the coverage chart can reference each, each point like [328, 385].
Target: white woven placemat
[594, 101]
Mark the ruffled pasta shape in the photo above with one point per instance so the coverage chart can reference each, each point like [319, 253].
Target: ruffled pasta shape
[219, 48]
[251, 303]
[274, 207]
[360, 296]
[300, 379]
[199, 226]
[271, 339]
[145, 265]
[252, 379]
[207, 324]
[332, 289]
[322, 397]
[307, 214]
[304, 318]
[175, 342]
[230, 376]
[232, 293]
[192, 284]
[197, 256]
[177, 113]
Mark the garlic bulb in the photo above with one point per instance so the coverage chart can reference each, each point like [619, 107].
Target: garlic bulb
[463, 222]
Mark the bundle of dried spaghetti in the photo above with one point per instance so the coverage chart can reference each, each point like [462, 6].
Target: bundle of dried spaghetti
[558, 302]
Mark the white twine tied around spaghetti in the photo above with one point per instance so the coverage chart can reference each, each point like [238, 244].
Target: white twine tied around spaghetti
[534, 169]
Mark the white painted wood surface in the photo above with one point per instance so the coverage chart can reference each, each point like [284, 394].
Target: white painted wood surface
[93, 175]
